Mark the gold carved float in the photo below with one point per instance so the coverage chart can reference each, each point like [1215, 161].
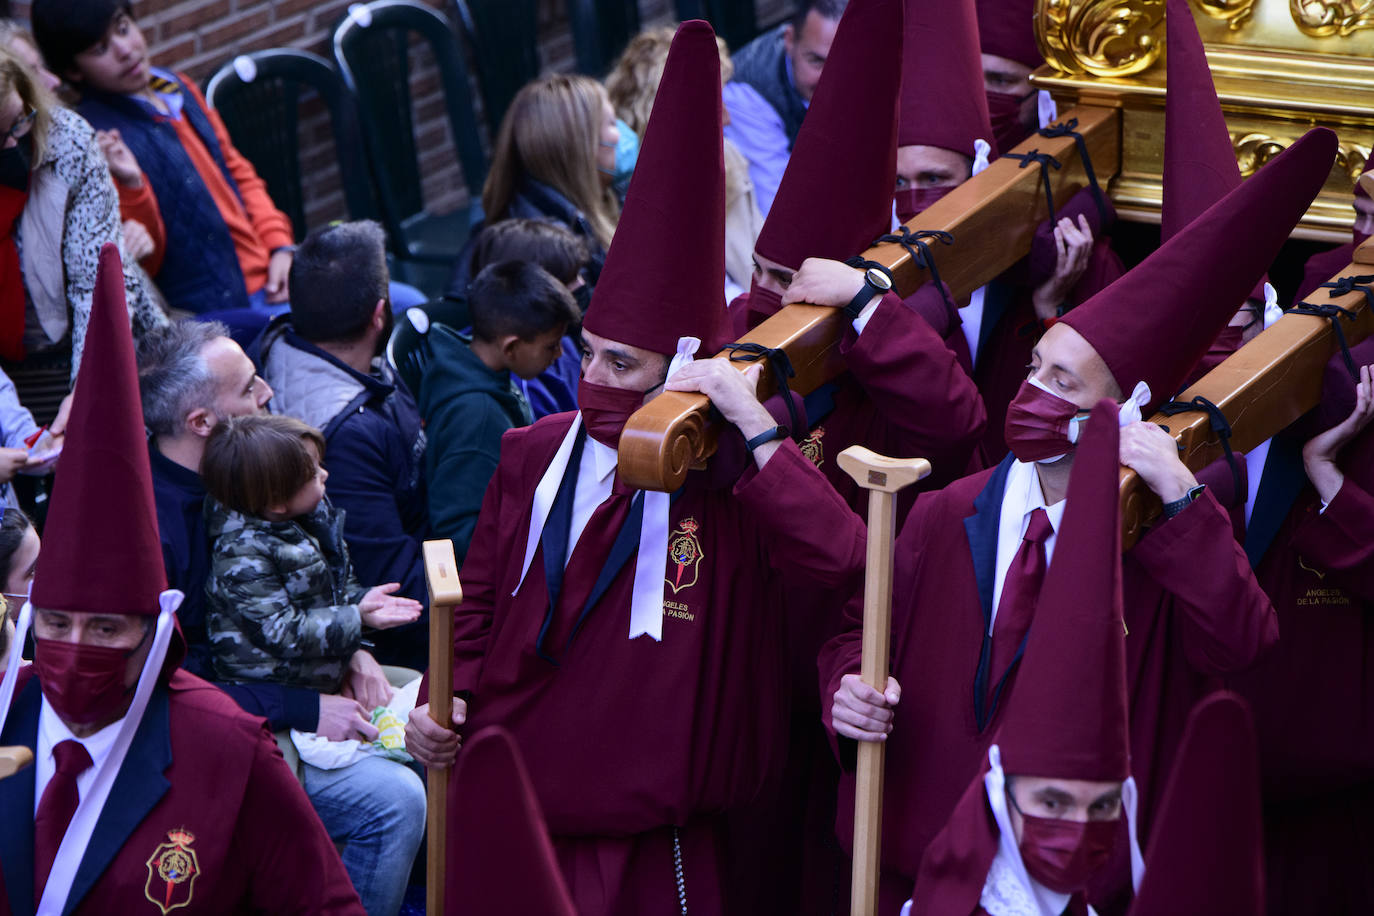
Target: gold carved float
[1280, 68]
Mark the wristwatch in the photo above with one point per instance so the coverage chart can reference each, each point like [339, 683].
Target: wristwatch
[876, 282]
[1174, 508]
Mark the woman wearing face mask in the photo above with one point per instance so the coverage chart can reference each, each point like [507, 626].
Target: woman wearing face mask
[57, 208]
[632, 86]
[555, 158]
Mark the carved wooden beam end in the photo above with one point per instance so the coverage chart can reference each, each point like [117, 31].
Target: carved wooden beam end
[1261, 388]
[671, 434]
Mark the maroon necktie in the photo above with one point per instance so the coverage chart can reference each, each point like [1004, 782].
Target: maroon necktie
[56, 808]
[1020, 589]
[584, 566]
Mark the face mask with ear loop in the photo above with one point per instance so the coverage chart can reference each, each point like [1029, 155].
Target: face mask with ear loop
[626, 155]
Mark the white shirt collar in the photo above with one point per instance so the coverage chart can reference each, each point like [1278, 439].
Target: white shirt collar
[603, 459]
[52, 731]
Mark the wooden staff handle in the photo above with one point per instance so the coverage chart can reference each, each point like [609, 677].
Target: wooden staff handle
[992, 216]
[1261, 388]
[882, 477]
[14, 759]
[445, 593]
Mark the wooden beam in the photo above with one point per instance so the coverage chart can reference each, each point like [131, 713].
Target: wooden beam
[1261, 388]
[992, 216]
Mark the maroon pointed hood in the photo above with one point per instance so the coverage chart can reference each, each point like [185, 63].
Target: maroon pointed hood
[955, 865]
[101, 551]
[1157, 321]
[1200, 165]
[836, 195]
[1006, 28]
[943, 101]
[1206, 851]
[1199, 162]
[1067, 714]
[500, 858]
[665, 271]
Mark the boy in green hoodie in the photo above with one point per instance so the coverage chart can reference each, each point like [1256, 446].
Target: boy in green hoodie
[467, 396]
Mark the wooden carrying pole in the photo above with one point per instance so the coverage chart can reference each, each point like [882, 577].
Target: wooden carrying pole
[445, 593]
[1261, 388]
[992, 218]
[882, 478]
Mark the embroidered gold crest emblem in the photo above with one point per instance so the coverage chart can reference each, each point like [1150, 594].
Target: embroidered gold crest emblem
[811, 446]
[172, 871]
[684, 555]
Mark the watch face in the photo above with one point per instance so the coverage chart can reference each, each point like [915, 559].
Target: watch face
[877, 278]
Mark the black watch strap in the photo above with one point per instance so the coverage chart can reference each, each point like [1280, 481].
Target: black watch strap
[861, 299]
[768, 435]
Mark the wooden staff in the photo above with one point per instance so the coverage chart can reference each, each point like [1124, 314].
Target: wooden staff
[14, 759]
[882, 478]
[445, 593]
[992, 216]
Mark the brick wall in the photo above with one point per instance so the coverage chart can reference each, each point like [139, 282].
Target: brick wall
[198, 36]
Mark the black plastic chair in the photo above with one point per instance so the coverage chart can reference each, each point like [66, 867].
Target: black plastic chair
[601, 29]
[408, 350]
[503, 37]
[371, 47]
[736, 21]
[260, 95]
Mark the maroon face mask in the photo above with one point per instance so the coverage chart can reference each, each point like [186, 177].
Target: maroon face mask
[1038, 422]
[606, 410]
[1358, 237]
[1065, 855]
[911, 201]
[1005, 111]
[763, 304]
[84, 684]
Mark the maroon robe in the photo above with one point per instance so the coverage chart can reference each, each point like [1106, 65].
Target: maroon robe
[904, 394]
[1212, 619]
[625, 739]
[199, 768]
[1322, 267]
[1314, 712]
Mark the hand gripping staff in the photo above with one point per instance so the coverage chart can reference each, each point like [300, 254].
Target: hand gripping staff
[882, 478]
[445, 593]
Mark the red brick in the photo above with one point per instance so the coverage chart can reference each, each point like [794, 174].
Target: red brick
[190, 17]
[224, 36]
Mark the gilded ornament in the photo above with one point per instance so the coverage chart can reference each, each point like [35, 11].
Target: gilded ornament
[1324, 18]
[1235, 13]
[1111, 38]
[1254, 150]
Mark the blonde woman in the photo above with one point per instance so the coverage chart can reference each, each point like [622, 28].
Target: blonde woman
[632, 86]
[555, 158]
[58, 206]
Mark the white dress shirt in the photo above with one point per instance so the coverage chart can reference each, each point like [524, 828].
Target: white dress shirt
[1021, 496]
[52, 731]
[593, 488]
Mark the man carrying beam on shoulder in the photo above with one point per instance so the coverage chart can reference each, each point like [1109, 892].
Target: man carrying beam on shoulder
[970, 557]
[632, 642]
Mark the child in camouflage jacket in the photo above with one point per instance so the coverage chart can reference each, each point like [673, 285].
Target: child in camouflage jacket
[283, 603]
